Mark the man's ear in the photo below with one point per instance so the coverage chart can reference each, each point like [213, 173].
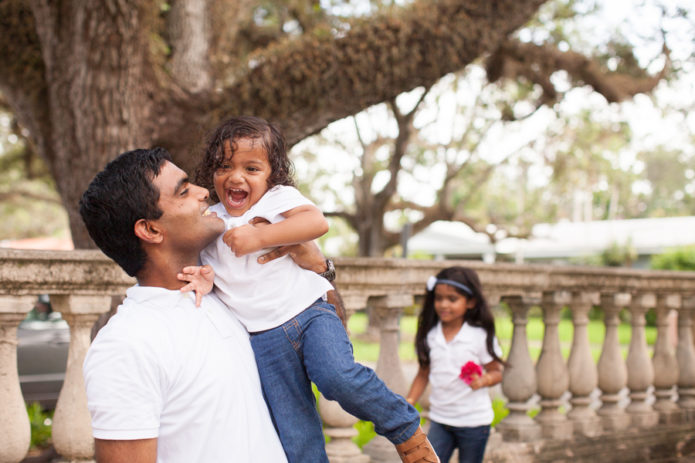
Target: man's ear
[148, 231]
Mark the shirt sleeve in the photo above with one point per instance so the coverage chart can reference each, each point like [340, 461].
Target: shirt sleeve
[124, 396]
[279, 200]
[485, 356]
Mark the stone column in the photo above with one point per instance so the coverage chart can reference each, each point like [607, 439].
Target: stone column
[551, 371]
[388, 367]
[664, 361]
[339, 425]
[15, 432]
[519, 380]
[582, 369]
[612, 372]
[640, 372]
[72, 428]
[685, 354]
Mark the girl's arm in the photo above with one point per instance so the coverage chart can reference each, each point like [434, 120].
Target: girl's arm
[303, 223]
[492, 375]
[419, 385]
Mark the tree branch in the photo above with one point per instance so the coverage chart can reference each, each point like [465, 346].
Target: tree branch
[537, 63]
[327, 78]
[189, 35]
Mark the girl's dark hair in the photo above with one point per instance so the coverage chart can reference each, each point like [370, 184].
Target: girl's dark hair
[234, 129]
[479, 315]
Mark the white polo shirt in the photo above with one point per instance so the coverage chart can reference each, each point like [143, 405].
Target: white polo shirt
[162, 368]
[262, 296]
[452, 401]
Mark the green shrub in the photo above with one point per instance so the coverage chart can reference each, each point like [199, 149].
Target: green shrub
[41, 422]
[681, 258]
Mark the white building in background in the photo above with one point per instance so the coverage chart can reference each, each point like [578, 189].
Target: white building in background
[560, 242]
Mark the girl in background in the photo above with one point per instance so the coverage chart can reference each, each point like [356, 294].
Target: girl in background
[459, 355]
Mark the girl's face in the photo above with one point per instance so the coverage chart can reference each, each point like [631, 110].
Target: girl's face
[242, 178]
[451, 305]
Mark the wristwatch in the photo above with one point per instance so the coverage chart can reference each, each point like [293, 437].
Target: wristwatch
[329, 274]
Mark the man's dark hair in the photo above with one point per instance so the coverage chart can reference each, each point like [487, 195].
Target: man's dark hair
[119, 196]
[236, 128]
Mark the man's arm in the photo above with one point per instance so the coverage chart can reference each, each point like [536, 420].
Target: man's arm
[125, 451]
[308, 256]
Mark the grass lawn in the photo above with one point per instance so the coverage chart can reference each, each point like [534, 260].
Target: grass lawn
[369, 351]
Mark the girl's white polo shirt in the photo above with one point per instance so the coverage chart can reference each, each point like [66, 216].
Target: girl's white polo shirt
[452, 401]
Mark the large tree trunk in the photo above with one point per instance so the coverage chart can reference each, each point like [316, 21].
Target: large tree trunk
[100, 90]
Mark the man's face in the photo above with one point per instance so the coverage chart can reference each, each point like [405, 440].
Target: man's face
[183, 205]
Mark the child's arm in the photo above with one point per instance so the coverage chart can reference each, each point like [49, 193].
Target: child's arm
[419, 385]
[491, 376]
[303, 223]
[200, 279]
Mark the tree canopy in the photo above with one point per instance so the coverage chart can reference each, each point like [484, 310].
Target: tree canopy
[87, 80]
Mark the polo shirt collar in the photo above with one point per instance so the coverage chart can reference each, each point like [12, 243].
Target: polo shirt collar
[460, 336]
[156, 296]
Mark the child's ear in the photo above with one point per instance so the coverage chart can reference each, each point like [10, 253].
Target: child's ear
[471, 302]
[148, 231]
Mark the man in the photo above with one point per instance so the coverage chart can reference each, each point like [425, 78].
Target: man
[167, 381]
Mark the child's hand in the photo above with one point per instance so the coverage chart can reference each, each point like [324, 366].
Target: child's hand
[478, 381]
[200, 279]
[243, 240]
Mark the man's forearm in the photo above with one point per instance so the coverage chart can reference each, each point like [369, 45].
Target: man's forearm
[125, 451]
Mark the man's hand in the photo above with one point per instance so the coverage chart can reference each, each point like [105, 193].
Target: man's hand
[308, 256]
[200, 279]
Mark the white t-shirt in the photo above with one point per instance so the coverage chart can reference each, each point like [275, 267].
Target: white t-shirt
[452, 401]
[262, 296]
[162, 368]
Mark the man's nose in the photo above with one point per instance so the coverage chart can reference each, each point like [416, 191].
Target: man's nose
[203, 193]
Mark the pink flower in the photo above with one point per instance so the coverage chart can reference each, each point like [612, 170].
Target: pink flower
[468, 370]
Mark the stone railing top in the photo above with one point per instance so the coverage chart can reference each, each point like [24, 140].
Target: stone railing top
[60, 272]
[387, 275]
[91, 272]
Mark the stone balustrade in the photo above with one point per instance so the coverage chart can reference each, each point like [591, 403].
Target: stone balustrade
[646, 400]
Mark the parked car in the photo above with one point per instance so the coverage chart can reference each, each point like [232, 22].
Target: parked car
[42, 353]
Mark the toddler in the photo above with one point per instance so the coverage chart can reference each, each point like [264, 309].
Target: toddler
[296, 336]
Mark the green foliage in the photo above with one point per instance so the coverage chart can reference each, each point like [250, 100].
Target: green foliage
[29, 203]
[619, 255]
[681, 258]
[500, 410]
[41, 422]
[365, 433]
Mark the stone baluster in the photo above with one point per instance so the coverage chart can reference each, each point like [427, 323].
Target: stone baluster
[72, 428]
[389, 309]
[612, 372]
[664, 361]
[685, 353]
[551, 371]
[15, 431]
[519, 381]
[339, 425]
[640, 372]
[583, 375]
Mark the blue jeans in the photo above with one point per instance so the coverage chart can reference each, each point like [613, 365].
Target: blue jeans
[471, 442]
[313, 346]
